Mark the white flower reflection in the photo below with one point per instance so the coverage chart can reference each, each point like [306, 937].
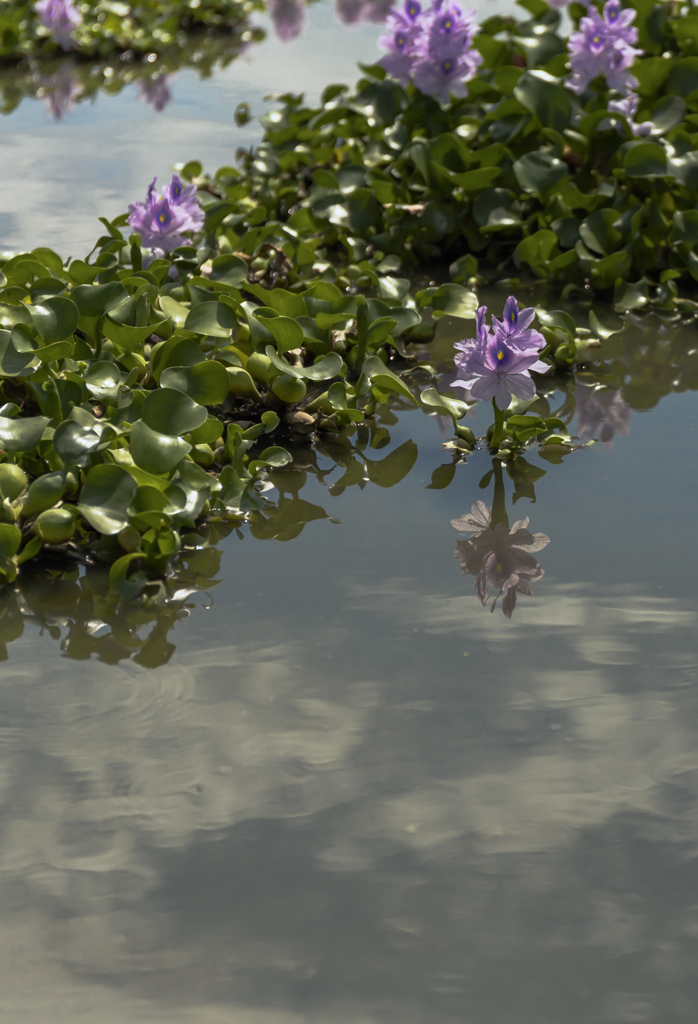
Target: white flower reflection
[498, 556]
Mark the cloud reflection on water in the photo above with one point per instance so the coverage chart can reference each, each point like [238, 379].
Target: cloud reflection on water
[275, 829]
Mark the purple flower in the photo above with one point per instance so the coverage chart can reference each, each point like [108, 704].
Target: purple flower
[400, 41]
[432, 48]
[448, 74]
[161, 221]
[499, 556]
[514, 324]
[288, 17]
[60, 17]
[497, 362]
[628, 107]
[604, 46]
[156, 90]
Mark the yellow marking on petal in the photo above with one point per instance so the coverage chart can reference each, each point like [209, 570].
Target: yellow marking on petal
[500, 354]
[162, 217]
[499, 566]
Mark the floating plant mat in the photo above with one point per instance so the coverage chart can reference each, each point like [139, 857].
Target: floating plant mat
[144, 415]
[520, 177]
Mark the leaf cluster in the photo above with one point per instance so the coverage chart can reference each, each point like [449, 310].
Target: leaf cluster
[519, 179]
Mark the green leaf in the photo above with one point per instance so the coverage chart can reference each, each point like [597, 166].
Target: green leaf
[545, 97]
[322, 369]
[172, 412]
[44, 492]
[228, 269]
[21, 435]
[176, 312]
[378, 374]
[15, 363]
[13, 480]
[128, 338]
[213, 319]
[103, 380]
[55, 318]
[105, 498]
[536, 250]
[10, 540]
[288, 333]
[92, 300]
[75, 442]
[454, 300]
[206, 382]
[281, 301]
[540, 172]
[156, 452]
[357, 212]
[644, 160]
[452, 407]
[55, 525]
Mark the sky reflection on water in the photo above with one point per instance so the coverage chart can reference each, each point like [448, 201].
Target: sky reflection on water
[354, 794]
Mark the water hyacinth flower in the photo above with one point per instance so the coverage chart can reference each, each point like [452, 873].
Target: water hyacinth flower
[60, 17]
[628, 107]
[604, 46]
[161, 220]
[496, 364]
[499, 557]
[432, 48]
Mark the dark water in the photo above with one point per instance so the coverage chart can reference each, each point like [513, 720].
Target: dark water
[328, 785]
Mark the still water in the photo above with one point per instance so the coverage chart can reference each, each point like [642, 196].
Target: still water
[325, 783]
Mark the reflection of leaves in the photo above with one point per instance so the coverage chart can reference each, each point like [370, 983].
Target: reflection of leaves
[442, 476]
[524, 476]
[394, 467]
[285, 521]
[78, 609]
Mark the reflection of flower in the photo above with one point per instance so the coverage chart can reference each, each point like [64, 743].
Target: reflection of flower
[288, 17]
[601, 414]
[498, 556]
[60, 17]
[161, 221]
[496, 363]
[156, 90]
[60, 91]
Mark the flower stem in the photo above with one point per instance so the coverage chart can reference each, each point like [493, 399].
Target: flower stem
[499, 498]
[498, 432]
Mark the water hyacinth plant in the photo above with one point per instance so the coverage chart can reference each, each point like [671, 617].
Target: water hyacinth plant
[496, 364]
